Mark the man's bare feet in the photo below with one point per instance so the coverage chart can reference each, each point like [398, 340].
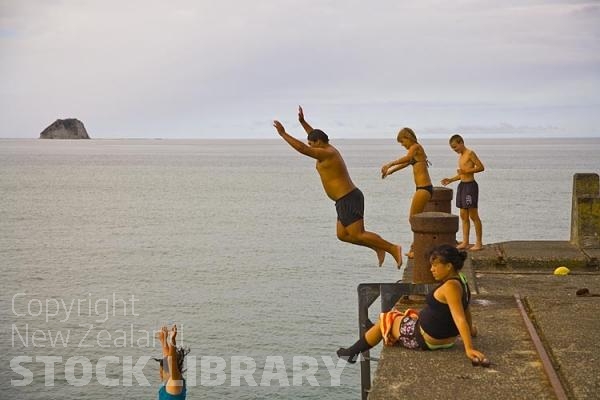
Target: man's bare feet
[380, 256]
[477, 247]
[397, 254]
[463, 246]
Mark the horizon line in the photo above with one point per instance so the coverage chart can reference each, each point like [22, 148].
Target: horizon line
[423, 137]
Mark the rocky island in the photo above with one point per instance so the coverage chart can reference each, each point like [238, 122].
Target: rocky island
[70, 128]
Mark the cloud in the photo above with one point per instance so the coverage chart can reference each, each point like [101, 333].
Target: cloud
[197, 68]
[507, 129]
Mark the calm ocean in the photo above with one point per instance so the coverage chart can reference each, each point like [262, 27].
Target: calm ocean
[232, 240]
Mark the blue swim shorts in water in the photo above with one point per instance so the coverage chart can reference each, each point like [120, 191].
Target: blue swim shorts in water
[467, 195]
[351, 207]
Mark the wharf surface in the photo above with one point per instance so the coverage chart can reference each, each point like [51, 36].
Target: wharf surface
[567, 324]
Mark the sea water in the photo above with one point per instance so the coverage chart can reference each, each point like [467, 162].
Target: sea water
[232, 240]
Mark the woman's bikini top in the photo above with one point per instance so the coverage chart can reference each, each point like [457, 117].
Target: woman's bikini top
[413, 162]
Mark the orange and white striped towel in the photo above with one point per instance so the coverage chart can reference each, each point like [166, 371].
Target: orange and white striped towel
[386, 322]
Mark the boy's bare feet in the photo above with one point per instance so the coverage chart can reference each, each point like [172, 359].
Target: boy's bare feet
[477, 247]
[463, 246]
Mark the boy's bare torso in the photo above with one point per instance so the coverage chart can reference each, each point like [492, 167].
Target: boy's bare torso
[465, 162]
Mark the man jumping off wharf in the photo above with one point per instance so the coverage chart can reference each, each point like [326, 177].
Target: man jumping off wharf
[349, 200]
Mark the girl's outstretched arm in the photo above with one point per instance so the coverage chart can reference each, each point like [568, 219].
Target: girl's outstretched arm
[472, 326]
[452, 292]
[175, 383]
[385, 170]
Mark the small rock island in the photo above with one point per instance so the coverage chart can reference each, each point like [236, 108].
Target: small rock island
[70, 128]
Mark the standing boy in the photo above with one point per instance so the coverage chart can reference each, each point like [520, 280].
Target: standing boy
[467, 193]
[349, 200]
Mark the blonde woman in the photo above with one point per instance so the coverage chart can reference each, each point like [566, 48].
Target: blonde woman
[416, 157]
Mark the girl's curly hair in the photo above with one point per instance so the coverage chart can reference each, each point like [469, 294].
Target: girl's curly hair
[449, 254]
[181, 353]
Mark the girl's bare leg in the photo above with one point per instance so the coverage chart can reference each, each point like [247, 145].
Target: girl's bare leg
[419, 201]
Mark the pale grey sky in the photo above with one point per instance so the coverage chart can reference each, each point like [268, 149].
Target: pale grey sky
[227, 68]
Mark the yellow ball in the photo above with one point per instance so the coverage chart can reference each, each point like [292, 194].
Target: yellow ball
[562, 271]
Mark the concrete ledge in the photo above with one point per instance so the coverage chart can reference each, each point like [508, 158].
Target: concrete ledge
[519, 255]
[447, 374]
[567, 324]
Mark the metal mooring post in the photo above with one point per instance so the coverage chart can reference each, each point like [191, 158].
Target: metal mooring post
[367, 294]
[431, 229]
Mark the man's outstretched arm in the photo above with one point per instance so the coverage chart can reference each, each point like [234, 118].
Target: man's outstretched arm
[303, 122]
[298, 145]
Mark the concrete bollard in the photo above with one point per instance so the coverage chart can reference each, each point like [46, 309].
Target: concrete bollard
[585, 211]
[440, 201]
[430, 229]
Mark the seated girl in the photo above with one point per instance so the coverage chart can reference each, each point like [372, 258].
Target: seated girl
[445, 315]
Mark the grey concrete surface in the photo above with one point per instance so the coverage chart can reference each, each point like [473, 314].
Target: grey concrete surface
[567, 324]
